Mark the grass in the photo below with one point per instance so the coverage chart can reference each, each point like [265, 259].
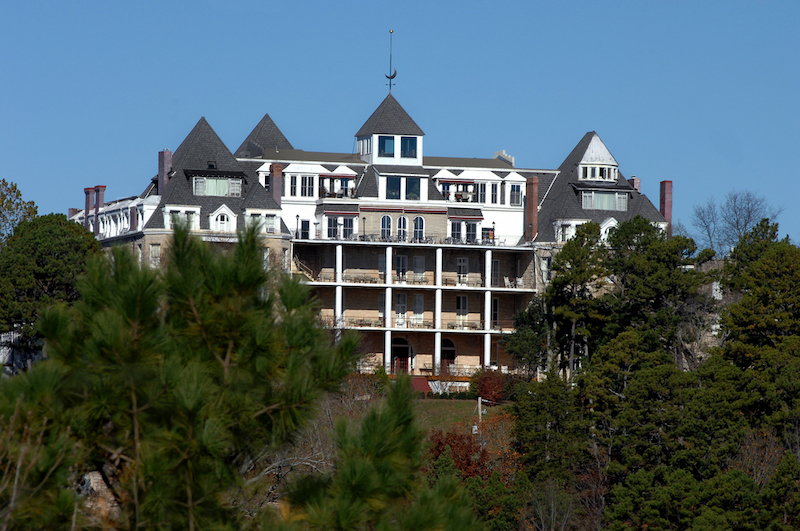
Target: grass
[447, 414]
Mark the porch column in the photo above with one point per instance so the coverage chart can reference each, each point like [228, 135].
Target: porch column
[487, 349]
[438, 277]
[389, 266]
[437, 352]
[387, 351]
[338, 263]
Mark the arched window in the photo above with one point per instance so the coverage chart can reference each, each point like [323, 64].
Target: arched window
[222, 222]
[402, 228]
[419, 228]
[386, 227]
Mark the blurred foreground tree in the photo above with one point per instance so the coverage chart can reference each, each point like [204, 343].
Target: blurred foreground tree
[164, 384]
[12, 208]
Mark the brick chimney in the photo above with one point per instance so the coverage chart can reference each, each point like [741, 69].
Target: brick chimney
[89, 205]
[531, 208]
[164, 167]
[133, 216]
[636, 183]
[276, 182]
[99, 201]
[666, 202]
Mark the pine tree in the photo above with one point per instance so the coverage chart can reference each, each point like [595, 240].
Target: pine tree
[165, 383]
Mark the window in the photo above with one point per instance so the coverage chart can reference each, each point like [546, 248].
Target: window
[482, 193]
[486, 235]
[419, 228]
[221, 223]
[190, 219]
[347, 228]
[604, 200]
[386, 146]
[307, 186]
[494, 193]
[293, 192]
[155, 254]
[502, 193]
[265, 259]
[419, 308]
[496, 273]
[412, 188]
[446, 191]
[462, 269]
[401, 265]
[255, 221]
[393, 188]
[419, 268]
[547, 263]
[400, 310]
[564, 233]
[217, 186]
[386, 228]
[402, 228]
[333, 227]
[269, 224]
[455, 230]
[516, 194]
[408, 147]
[305, 228]
[174, 217]
[461, 308]
[495, 313]
[472, 231]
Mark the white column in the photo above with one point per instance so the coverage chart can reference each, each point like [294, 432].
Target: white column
[487, 349]
[387, 308]
[438, 278]
[337, 307]
[387, 350]
[487, 269]
[389, 266]
[487, 310]
[437, 315]
[437, 352]
[338, 263]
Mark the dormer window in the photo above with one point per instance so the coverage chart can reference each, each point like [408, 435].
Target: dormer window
[408, 147]
[212, 165]
[386, 146]
[595, 200]
[598, 173]
[217, 186]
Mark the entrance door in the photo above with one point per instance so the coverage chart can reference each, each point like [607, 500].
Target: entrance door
[401, 355]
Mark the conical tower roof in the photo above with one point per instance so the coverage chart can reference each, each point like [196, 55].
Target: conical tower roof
[264, 137]
[202, 146]
[389, 118]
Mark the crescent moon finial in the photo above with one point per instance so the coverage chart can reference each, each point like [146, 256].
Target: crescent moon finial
[393, 75]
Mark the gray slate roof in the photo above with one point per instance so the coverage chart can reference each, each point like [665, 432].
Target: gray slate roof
[563, 200]
[390, 118]
[192, 158]
[265, 136]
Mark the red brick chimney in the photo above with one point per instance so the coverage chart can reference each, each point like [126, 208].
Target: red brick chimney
[276, 182]
[531, 208]
[89, 205]
[99, 201]
[666, 201]
[164, 167]
[636, 183]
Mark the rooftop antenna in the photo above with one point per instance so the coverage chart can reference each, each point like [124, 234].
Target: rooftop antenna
[394, 74]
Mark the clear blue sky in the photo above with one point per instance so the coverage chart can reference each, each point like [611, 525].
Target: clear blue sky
[706, 94]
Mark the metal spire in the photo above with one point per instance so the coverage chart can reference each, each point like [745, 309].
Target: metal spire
[392, 74]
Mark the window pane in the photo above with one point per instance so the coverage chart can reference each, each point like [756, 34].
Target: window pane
[386, 146]
[347, 227]
[386, 227]
[408, 147]
[419, 228]
[393, 188]
[605, 201]
[412, 188]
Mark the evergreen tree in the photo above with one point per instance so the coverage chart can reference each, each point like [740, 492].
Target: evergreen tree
[376, 483]
[165, 384]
